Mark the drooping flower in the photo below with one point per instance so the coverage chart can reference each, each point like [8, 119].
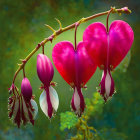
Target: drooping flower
[76, 68]
[108, 49]
[22, 108]
[26, 89]
[49, 99]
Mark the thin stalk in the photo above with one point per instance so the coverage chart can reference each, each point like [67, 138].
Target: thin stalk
[24, 72]
[42, 49]
[76, 25]
[107, 28]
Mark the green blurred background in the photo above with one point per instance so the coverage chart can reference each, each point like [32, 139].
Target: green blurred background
[22, 28]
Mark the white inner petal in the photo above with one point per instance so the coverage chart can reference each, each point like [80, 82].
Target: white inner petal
[43, 103]
[16, 107]
[76, 100]
[25, 110]
[54, 98]
[107, 84]
[35, 107]
[102, 75]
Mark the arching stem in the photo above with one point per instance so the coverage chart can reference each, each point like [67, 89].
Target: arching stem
[59, 31]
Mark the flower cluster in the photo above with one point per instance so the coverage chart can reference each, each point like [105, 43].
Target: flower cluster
[100, 47]
[22, 107]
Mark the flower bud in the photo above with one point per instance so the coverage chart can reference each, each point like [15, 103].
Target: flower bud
[45, 69]
[26, 89]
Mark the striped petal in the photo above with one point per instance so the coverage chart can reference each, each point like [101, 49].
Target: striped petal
[49, 101]
[77, 102]
[43, 103]
[54, 98]
[35, 107]
[107, 85]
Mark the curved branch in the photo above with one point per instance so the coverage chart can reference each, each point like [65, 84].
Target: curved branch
[61, 30]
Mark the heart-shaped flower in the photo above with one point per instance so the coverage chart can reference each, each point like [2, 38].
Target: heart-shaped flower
[76, 68]
[108, 49]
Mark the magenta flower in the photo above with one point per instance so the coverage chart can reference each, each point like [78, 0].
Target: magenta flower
[107, 50]
[45, 69]
[76, 68]
[22, 108]
[49, 99]
[26, 89]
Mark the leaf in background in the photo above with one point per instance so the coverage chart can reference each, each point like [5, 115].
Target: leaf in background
[94, 105]
[67, 120]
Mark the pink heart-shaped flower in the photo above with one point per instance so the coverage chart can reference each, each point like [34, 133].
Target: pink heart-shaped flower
[108, 49]
[76, 68]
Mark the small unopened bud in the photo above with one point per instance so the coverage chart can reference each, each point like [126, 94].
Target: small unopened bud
[126, 10]
[45, 69]
[26, 89]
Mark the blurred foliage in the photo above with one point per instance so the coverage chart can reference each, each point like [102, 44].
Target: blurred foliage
[125, 63]
[111, 134]
[94, 107]
[67, 120]
[22, 28]
[16, 134]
